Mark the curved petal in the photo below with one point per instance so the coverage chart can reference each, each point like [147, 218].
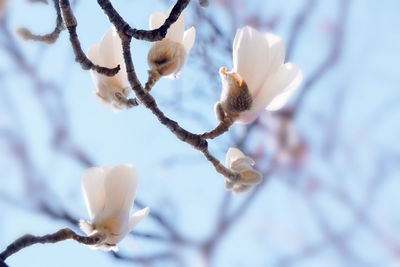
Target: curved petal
[120, 186]
[281, 99]
[111, 55]
[275, 92]
[276, 53]
[250, 57]
[232, 155]
[137, 217]
[93, 190]
[93, 54]
[242, 164]
[175, 32]
[188, 38]
[156, 20]
[250, 177]
[108, 50]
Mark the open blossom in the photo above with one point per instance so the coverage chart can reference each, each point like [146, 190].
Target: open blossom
[109, 195]
[108, 53]
[238, 162]
[258, 66]
[168, 56]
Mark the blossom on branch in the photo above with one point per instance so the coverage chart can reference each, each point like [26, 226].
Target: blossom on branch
[167, 57]
[108, 53]
[239, 162]
[259, 68]
[109, 196]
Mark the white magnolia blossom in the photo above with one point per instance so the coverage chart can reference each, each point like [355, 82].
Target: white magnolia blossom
[108, 53]
[168, 56]
[109, 196]
[239, 162]
[258, 59]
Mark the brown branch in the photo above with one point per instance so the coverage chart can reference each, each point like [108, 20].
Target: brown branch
[49, 38]
[152, 35]
[80, 57]
[61, 235]
[221, 128]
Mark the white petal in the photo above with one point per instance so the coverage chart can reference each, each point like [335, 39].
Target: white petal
[275, 92]
[93, 53]
[232, 155]
[93, 190]
[98, 79]
[294, 77]
[120, 186]
[276, 52]
[250, 57]
[156, 20]
[175, 32]
[110, 55]
[242, 164]
[137, 217]
[188, 38]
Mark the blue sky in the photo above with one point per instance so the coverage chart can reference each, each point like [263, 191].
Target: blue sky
[281, 221]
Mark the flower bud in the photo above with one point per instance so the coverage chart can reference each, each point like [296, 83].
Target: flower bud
[235, 95]
[240, 163]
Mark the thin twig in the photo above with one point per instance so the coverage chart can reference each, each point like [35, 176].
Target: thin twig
[61, 235]
[152, 35]
[49, 38]
[80, 57]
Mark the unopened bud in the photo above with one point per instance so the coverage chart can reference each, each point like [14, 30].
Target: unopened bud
[235, 95]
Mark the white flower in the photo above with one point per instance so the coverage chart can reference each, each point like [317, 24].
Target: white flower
[169, 55]
[258, 59]
[108, 53]
[109, 195]
[238, 162]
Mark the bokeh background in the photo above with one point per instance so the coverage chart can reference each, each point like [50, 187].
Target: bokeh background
[330, 158]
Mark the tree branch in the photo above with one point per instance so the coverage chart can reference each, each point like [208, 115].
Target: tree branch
[49, 38]
[61, 235]
[80, 57]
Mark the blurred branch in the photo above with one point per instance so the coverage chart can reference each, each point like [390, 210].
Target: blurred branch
[47, 38]
[330, 61]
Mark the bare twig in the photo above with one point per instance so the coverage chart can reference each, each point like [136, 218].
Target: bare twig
[80, 57]
[61, 235]
[46, 38]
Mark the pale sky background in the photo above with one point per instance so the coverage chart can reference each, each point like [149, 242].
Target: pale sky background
[189, 191]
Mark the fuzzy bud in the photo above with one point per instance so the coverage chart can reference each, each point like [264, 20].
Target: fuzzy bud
[235, 95]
